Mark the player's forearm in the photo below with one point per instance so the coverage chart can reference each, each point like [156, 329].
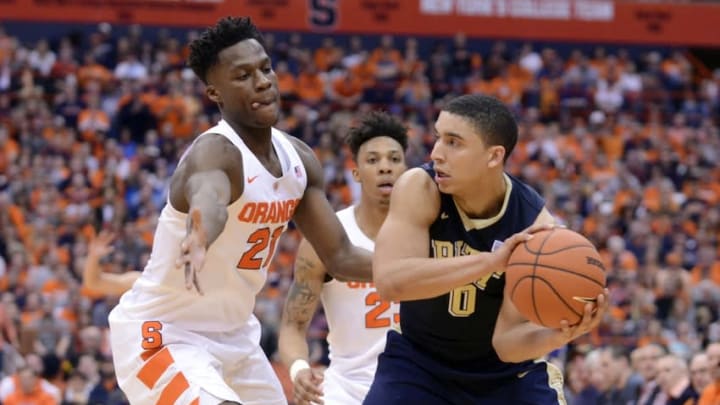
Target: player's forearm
[91, 272]
[213, 214]
[302, 302]
[106, 283]
[421, 278]
[353, 265]
[292, 343]
[525, 341]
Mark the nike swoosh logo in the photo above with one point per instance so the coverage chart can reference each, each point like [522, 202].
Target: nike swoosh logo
[444, 216]
[251, 179]
[523, 374]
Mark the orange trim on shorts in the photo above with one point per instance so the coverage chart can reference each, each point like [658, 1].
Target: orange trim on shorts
[195, 401]
[154, 367]
[173, 390]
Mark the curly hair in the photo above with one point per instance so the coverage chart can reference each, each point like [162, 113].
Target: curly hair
[373, 125]
[227, 32]
[490, 117]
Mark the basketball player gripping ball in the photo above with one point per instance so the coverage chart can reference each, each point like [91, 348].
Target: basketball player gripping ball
[358, 319]
[185, 332]
[462, 341]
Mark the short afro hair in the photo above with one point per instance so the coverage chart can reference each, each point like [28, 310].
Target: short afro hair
[373, 125]
[491, 119]
[227, 32]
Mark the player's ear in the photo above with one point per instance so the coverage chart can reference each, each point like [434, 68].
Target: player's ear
[496, 156]
[355, 173]
[213, 94]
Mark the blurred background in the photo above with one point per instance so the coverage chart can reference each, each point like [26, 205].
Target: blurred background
[618, 104]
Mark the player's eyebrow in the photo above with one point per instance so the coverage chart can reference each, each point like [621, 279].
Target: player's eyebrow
[250, 65]
[450, 134]
[447, 132]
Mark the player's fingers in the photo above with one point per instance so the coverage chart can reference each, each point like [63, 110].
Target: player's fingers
[315, 391]
[299, 395]
[196, 283]
[309, 387]
[188, 276]
[318, 375]
[565, 328]
[539, 227]
[603, 300]
[303, 394]
[517, 239]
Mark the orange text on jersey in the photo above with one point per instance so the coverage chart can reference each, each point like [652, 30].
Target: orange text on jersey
[360, 284]
[268, 212]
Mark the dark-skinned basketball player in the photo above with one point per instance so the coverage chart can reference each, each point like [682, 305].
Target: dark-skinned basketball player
[185, 332]
[461, 340]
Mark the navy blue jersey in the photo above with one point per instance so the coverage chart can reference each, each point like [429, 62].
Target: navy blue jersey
[457, 328]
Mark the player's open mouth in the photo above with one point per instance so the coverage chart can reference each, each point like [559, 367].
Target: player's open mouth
[440, 176]
[385, 188]
[256, 105]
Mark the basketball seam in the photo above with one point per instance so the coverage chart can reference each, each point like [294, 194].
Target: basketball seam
[560, 297]
[562, 249]
[532, 285]
[555, 268]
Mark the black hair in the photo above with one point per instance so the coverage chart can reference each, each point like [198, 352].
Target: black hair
[373, 125]
[618, 352]
[227, 32]
[491, 118]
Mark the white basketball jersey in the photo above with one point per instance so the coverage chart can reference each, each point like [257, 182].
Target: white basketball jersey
[236, 263]
[357, 319]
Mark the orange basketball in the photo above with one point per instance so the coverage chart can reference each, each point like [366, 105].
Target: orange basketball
[553, 275]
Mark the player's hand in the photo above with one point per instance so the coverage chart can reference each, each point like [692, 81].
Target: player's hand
[502, 254]
[193, 249]
[101, 244]
[306, 387]
[592, 315]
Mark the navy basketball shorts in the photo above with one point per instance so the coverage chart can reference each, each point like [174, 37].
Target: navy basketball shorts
[407, 376]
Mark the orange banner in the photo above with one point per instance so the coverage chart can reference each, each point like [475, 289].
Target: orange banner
[556, 20]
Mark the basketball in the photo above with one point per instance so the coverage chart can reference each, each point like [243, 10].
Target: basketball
[553, 275]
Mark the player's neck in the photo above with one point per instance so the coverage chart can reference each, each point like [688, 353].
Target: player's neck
[258, 140]
[370, 217]
[485, 200]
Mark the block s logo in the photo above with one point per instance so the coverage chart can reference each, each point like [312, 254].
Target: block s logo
[323, 14]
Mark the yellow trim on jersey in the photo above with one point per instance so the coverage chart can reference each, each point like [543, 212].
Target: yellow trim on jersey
[555, 381]
[482, 223]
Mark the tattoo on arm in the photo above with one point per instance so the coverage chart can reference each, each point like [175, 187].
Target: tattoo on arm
[302, 296]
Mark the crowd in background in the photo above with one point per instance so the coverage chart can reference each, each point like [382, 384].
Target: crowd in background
[624, 145]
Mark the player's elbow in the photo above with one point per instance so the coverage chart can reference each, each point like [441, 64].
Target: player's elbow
[388, 289]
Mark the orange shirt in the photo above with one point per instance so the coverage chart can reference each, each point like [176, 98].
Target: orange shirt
[39, 398]
[710, 395]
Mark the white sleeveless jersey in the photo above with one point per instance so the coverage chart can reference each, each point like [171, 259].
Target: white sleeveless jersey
[236, 263]
[357, 319]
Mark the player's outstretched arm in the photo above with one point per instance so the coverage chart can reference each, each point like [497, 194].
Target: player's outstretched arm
[95, 279]
[402, 269]
[300, 306]
[319, 224]
[203, 186]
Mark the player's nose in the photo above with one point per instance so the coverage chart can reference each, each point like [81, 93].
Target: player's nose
[436, 153]
[262, 82]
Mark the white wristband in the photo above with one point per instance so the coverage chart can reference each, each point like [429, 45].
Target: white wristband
[297, 366]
